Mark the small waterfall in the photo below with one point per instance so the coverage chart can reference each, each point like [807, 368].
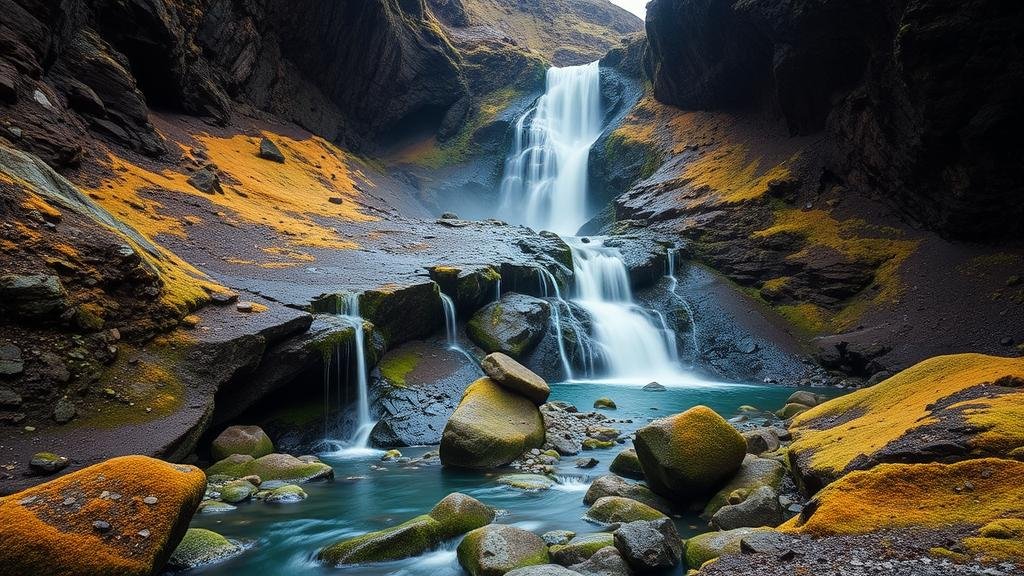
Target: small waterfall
[358, 442]
[451, 327]
[545, 181]
[673, 285]
[549, 289]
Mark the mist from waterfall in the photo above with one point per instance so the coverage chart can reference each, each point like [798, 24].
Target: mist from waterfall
[545, 181]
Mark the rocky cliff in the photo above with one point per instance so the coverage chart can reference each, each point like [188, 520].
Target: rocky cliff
[920, 97]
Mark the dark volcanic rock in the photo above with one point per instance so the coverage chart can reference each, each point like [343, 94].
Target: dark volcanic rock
[513, 325]
[649, 545]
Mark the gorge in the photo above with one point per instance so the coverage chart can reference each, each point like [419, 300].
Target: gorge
[497, 287]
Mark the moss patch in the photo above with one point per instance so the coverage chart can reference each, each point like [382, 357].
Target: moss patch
[395, 367]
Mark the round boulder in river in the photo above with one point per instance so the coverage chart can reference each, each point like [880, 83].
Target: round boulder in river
[491, 427]
[496, 550]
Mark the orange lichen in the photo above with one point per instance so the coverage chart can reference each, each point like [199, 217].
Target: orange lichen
[968, 494]
[888, 410]
[48, 529]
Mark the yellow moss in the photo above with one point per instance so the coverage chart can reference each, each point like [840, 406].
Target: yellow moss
[35, 202]
[40, 530]
[734, 174]
[397, 366]
[1000, 540]
[775, 283]
[888, 410]
[806, 317]
[971, 493]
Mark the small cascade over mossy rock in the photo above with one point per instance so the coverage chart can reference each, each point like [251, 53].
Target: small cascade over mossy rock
[945, 408]
[491, 427]
[124, 516]
[689, 455]
[398, 313]
[470, 289]
[453, 516]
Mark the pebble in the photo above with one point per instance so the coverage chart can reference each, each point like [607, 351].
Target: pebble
[150, 500]
[69, 501]
[101, 526]
[144, 533]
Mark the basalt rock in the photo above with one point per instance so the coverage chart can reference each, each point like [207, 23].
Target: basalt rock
[513, 325]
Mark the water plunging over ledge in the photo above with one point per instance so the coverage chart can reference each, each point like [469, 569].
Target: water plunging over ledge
[545, 182]
[358, 443]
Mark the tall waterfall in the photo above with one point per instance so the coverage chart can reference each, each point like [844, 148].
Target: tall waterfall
[545, 182]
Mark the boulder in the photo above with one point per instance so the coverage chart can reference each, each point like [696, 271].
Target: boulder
[47, 463]
[270, 151]
[605, 404]
[528, 482]
[580, 548]
[627, 464]
[791, 410]
[32, 296]
[248, 440]
[616, 509]
[612, 485]
[206, 180]
[200, 547]
[605, 562]
[516, 377]
[809, 399]
[543, 570]
[761, 440]
[754, 473]
[513, 325]
[760, 508]
[68, 527]
[557, 537]
[286, 494]
[654, 387]
[237, 491]
[710, 545]
[491, 427]
[497, 549]
[454, 515]
[11, 363]
[650, 545]
[272, 467]
[690, 454]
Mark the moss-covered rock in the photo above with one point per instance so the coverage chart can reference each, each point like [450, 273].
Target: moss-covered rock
[513, 325]
[791, 410]
[754, 473]
[272, 467]
[215, 507]
[604, 403]
[612, 485]
[283, 494]
[627, 464]
[597, 444]
[490, 428]
[690, 454]
[50, 528]
[454, 515]
[580, 548]
[612, 509]
[200, 547]
[710, 545]
[943, 409]
[516, 377]
[498, 549]
[529, 482]
[470, 289]
[237, 491]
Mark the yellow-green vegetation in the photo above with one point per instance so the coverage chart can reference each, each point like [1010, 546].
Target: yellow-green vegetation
[864, 422]
[706, 547]
[580, 548]
[613, 509]
[689, 454]
[41, 529]
[500, 549]
[201, 546]
[984, 494]
[855, 240]
[754, 473]
[271, 467]
[397, 366]
[454, 515]
[248, 440]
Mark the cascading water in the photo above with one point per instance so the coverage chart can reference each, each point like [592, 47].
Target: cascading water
[451, 327]
[673, 285]
[545, 182]
[358, 442]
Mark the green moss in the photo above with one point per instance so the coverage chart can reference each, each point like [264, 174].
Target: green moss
[395, 367]
[491, 427]
[627, 464]
[790, 410]
[458, 514]
[200, 547]
[516, 549]
[271, 467]
[336, 340]
[706, 547]
[612, 509]
[581, 548]
[237, 491]
[595, 444]
[754, 473]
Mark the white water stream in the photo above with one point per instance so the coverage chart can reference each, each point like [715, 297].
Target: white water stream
[358, 443]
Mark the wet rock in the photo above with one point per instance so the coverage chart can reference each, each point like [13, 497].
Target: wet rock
[513, 325]
[605, 403]
[9, 398]
[711, 545]
[270, 151]
[806, 398]
[580, 548]
[754, 473]
[627, 464]
[689, 454]
[47, 463]
[516, 377]
[612, 485]
[282, 495]
[45, 537]
[64, 411]
[206, 181]
[654, 387]
[605, 562]
[760, 508]
[649, 546]
[201, 547]
[498, 549]
[616, 509]
[456, 514]
[215, 507]
[586, 463]
[32, 296]
[761, 440]
[528, 482]
[247, 440]
[491, 427]
[791, 410]
[542, 570]
[272, 467]
[237, 491]
[557, 537]
[11, 363]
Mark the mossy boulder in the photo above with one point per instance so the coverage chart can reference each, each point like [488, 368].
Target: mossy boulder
[945, 409]
[498, 549]
[754, 473]
[237, 491]
[454, 515]
[491, 427]
[580, 548]
[760, 507]
[470, 289]
[287, 494]
[605, 404]
[612, 485]
[513, 325]
[516, 377]
[50, 528]
[809, 399]
[627, 464]
[596, 444]
[690, 454]
[248, 440]
[272, 467]
[791, 410]
[710, 545]
[200, 547]
[616, 509]
[528, 482]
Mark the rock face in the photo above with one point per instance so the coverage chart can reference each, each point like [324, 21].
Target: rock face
[516, 377]
[456, 514]
[67, 526]
[247, 440]
[690, 454]
[496, 550]
[512, 326]
[874, 77]
[491, 427]
[949, 408]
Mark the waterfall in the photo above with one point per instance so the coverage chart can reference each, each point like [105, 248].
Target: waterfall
[451, 327]
[358, 442]
[545, 182]
[673, 284]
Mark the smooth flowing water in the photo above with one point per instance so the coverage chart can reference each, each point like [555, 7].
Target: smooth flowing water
[371, 495]
[545, 181]
[358, 442]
